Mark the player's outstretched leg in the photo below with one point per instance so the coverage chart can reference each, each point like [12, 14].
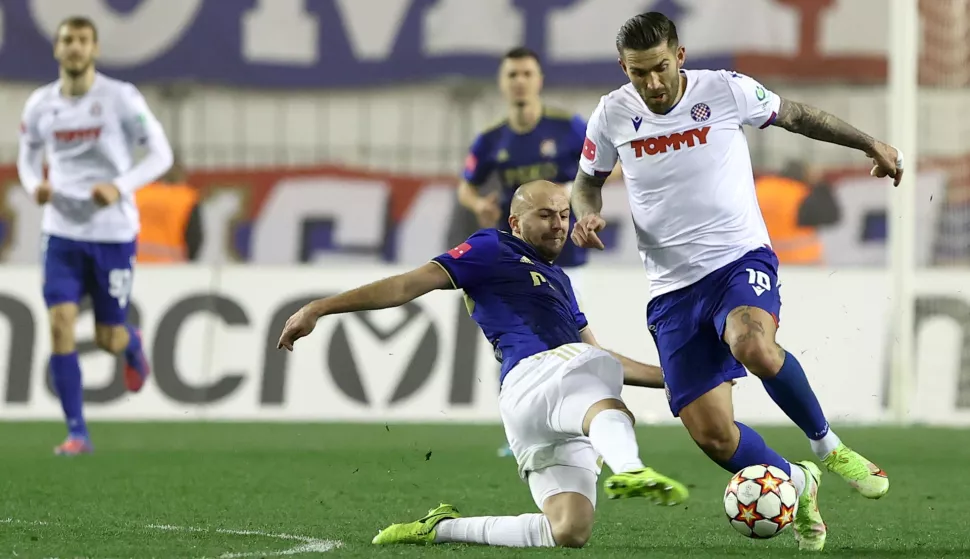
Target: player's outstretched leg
[734, 446]
[65, 371]
[566, 495]
[750, 332]
[445, 525]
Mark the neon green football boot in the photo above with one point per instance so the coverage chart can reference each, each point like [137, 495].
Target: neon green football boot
[417, 532]
[646, 483]
[810, 529]
[864, 476]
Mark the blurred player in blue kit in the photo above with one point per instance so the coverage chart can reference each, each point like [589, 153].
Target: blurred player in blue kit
[560, 397]
[88, 126]
[533, 142]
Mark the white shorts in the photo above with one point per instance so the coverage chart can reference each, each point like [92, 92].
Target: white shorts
[543, 402]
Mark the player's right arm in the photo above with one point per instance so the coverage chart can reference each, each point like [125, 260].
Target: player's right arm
[466, 265]
[596, 164]
[477, 170]
[30, 157]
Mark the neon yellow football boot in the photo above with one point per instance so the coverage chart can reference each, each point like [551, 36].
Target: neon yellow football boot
[646, 483]
[810, 529]
[417, 532]
[864, 476]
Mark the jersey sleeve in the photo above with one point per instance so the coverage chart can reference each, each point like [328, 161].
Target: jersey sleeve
[599, 154]
[477, 165]
[30, 157]
[471, 263]
[757, 105]
[142, 128]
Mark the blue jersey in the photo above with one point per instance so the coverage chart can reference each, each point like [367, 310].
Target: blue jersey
[523, 304]
[550, 151]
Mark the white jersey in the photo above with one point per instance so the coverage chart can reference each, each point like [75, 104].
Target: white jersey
[688, 172]
[89, 140]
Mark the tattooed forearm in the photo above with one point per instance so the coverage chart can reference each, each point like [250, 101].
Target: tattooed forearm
[587, 195]
[819, 125]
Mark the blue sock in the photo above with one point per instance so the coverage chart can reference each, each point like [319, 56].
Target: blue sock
[791, 391]
[753, 450]
[133, 351]
[66, 374]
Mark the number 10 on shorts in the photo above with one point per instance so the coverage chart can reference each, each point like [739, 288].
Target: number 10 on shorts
[758, 280]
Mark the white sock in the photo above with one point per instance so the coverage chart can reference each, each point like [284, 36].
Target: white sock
[526, 530]
[798, 478]
[824, 446]
[612, 435]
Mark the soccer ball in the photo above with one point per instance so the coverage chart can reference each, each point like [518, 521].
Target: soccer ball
[760, 501]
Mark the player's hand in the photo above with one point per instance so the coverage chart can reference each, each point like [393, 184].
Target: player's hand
[487, 210]
[887, 162]
[297, 326]
[584, 233]
[105, 194]
[43, 193]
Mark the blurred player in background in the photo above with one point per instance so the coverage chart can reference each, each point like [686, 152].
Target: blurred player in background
[533, 142]
[88, 125]
[560, 400]
[714, 278]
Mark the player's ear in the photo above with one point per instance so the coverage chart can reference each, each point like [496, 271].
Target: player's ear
[681, 56]
[514, 223]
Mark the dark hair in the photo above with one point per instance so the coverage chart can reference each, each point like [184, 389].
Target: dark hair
[79, 22]
[646, 31]
[522, 52]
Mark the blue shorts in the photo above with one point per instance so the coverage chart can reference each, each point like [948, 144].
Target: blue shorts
[688, 324]
[73, 269]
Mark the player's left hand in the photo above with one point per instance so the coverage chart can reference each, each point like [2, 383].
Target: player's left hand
[297, 326]
[887, 162]
[105, 194]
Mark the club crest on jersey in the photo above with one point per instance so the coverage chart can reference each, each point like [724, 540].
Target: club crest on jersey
[548, 148]
[700, 112]
[637, 121]
[96, 109]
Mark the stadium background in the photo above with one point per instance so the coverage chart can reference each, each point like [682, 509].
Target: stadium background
[327, 137]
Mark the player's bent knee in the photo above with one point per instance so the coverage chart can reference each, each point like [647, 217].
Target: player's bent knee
[113, 339]
[710, 422]
[571, 534]
[571, 518]
[760, 356]
[717, 441]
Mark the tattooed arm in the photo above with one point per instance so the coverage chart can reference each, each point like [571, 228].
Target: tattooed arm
[817, 124]
[587, 202]
[587, 194]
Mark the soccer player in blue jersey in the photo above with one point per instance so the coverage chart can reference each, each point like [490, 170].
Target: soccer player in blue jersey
[533, 142]
[560, 400]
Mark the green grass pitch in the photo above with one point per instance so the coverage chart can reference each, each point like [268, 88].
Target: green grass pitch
[260, 490]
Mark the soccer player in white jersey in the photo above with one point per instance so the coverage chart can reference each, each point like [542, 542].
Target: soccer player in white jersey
[714, 304]
[88, 126]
